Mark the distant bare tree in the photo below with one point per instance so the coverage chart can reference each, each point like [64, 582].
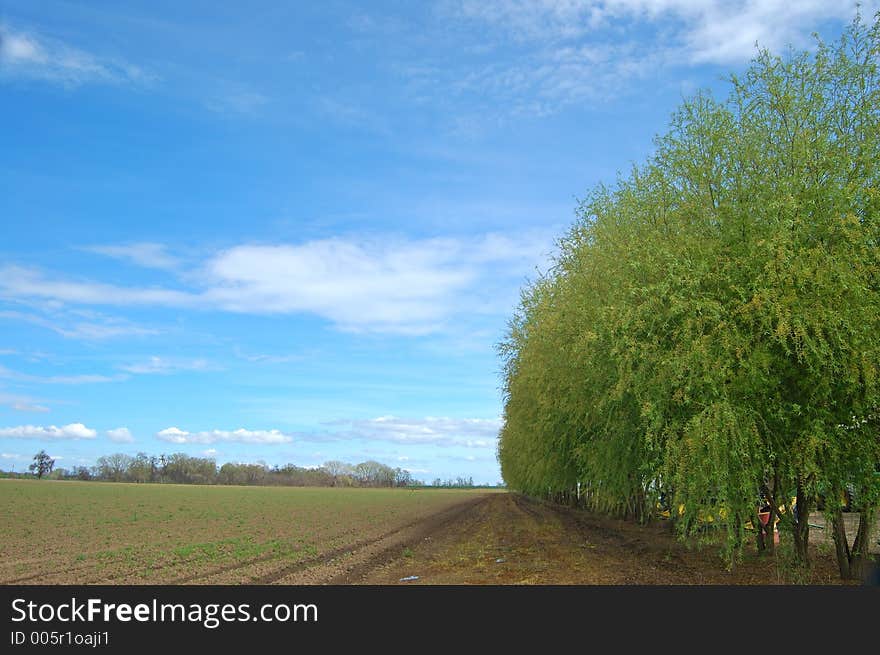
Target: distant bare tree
[338, 471]
[114, 467]
[81, 473]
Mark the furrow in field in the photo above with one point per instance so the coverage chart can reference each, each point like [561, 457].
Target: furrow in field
[255, 572]
[351, 564]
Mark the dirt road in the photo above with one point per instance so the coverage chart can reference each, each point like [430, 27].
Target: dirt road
[509, 539]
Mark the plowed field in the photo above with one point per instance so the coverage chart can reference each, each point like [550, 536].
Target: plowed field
[105, 533]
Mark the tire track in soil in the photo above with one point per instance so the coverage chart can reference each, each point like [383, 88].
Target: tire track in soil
[196, 576]
[92, 575]
[299, 565]
[582, 524]
[71, 568]
[91, 567]
[228, 568]
[348, 564]
[526, 506]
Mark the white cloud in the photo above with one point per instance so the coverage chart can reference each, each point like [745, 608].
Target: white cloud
[70, 431]
[164, 366]
[383, 284]
[19, 282]
[436, 431]
[266, 358]
[24, 55]
[20, 48]
[718, 31]
[20, 403]
[120, 435]
[59, 379]
[352, 114]
[28, 407]
[178, 436]
[569, 51]
[145, 254]
[237, 102]
[97, 332]
[726, 33]
[542, 82]
[70, 327]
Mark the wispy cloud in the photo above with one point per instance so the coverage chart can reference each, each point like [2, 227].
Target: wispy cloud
[243, 436]
[725, 33]
[29, 355]
[21, 403]
[717, 31]
[542, 83]
[145, 254]
[549, 54]
[19, 282]
[237, 102]
[59, 379]
[434, 431]
[31, 56]
[120, 435]
[267, 358]
[164, 366]
[378, 284]
[352, 114]
[51, 432]
[29, 407]
[70, 326]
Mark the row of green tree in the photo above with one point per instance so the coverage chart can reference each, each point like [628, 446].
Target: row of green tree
[180, 468]
[707, 343]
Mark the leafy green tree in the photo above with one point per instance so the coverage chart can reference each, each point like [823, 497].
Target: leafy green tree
[713, 320]
[141, 468]
[42, 464]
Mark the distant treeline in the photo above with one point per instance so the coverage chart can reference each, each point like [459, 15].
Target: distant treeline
[180, 468]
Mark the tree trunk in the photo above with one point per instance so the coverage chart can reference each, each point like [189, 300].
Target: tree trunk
[854, 562]
[768, 532]
[861, 559]
[841, 544]
[760, 538]
[802, 526]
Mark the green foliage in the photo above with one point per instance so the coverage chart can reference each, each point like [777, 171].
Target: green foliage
[42, 464]
[713, 320]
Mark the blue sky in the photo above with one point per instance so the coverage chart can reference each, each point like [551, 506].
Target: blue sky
[294, 232]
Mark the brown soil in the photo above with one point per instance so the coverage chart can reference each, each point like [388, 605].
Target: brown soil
[127, 534]
[505, 539]
[350, 564]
